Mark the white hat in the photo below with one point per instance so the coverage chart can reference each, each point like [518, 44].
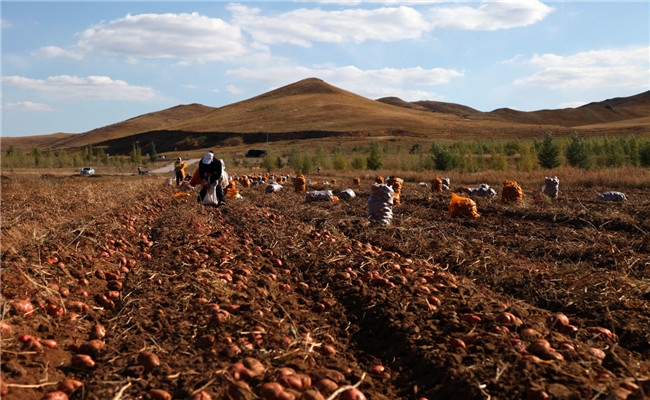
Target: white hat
[207, 158]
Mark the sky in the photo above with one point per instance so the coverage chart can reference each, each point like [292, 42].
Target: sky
[75, 66]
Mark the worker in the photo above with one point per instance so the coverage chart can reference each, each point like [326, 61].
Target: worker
[179, 170]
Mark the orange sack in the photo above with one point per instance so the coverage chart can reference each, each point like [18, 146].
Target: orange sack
[436, 184]
[511, 192]
[299, 184]
[356, 181]
[379, 179]
[396, 184]
[462, 207]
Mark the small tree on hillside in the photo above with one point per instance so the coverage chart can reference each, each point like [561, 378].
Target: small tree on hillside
[549, 152]
[153, 154]
[578, 153]
[375, 160]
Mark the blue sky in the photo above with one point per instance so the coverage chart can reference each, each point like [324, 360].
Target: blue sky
[75, 66]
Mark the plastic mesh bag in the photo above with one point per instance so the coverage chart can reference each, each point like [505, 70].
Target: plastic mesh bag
[462, 207]
[299, 184]
[551, 187]
[511, 193]
[379, 204]
[346, 194]
[396, 184]
[611, 196]
[273, 188]
[436, 184]
[319, 195]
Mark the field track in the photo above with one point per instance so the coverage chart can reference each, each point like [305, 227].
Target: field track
[270, 288]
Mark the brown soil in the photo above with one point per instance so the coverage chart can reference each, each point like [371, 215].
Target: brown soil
[316, 288]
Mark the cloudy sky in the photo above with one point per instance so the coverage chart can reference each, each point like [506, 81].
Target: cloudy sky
[74, 66]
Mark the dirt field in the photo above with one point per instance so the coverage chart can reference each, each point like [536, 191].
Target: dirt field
[272, 297]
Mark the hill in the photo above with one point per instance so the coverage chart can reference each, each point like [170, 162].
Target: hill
[312, 108]
[603, 112]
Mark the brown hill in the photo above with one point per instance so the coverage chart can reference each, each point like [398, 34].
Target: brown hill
[311, 108]
[158, 120]
[603, 112]
[41, 141]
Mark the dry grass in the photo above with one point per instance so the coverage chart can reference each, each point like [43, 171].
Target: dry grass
[609, 179]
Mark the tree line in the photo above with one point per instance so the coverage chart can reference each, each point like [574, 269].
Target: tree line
[462, 156]
[472, 156]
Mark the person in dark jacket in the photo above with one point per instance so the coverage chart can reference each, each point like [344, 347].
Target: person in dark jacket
[210, 170]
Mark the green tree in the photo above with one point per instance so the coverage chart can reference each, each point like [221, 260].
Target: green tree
[416, 149]
[37, 156]
[269, 162]
[322, 158]
[498, 161]
[88, 155]
[644, 153]
[548, 153]
[339, 162]
[295, 159]
[375, 160]
[279, 162]
[136, 155]
[358, 163]
[153, 154]
[578, 153]
[102, 157]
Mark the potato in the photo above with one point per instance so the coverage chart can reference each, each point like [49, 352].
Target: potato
[159, 394]
[98, 332]
[82, 361]
[58, 395]
[326, 386]
[69, 386]
[201, 396]
[148, 360]
[352, 394]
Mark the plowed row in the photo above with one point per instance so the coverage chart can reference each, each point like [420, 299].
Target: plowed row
[270, 289]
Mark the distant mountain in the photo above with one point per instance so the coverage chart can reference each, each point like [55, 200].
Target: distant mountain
[607, 111]
[312, 108]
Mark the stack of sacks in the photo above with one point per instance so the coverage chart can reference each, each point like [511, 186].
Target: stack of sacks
[396, 184]
[484, 190]
[299, 184]
[512, 193]
[551, 187]
[379, 204]
[611, 196]
[462, 207]
[231, 191]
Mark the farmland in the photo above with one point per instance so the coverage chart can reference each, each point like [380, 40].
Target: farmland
[230, 301]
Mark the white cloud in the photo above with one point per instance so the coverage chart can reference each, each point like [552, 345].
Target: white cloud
[572, 104]
[304, 26]
[28, 106]
[184, 36]
[491, 15]
[616, 68]
[234, 89]
[54, 51]
[88, 88]
[5, 23]
[408, 83]
[189, 86]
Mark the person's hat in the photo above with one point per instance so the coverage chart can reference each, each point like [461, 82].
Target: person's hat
[207, 158]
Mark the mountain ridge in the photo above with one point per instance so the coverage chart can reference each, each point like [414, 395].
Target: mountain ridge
[314, 106]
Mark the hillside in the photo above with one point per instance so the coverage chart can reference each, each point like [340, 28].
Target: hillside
[314, 109]
[144, 123]
[603, 112]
